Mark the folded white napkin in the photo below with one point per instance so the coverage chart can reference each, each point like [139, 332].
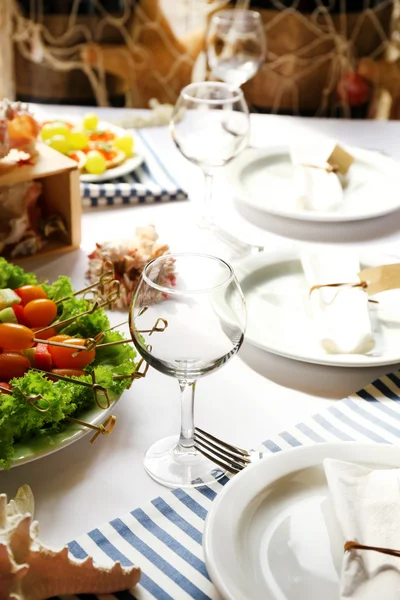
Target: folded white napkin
[367, 507]
[340, 314]
[314, 189]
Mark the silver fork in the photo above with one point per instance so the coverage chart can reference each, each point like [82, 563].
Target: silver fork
[229, 457]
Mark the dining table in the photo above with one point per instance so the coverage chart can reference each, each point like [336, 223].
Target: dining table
[257, 394]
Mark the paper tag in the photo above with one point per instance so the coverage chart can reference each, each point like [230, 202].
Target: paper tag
[381, 279]
[341, 159]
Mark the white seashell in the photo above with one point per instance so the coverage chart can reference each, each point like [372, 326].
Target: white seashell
[30, 571]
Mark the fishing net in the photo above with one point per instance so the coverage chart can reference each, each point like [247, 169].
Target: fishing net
[85, 51]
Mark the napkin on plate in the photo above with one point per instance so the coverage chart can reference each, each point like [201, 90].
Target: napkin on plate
[340, 314]
[367, 507]
[314, 188]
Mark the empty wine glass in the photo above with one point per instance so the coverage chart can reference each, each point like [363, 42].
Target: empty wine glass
[236, 45]
[187, 319]
[210, 126]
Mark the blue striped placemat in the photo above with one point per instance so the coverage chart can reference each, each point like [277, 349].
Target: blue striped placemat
[149, 183]
[164, 537]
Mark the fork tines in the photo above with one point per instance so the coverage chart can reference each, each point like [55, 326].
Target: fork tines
[231, 458]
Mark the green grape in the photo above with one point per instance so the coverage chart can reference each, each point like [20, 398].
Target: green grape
[95, 163]
[124, 143]
[49, 130]
[90, 121]
[59, 143]
[78, 140]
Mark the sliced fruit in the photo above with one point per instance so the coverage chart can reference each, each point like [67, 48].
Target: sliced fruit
[8, 298]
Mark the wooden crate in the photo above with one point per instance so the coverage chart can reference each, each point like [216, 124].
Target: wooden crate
[59, 176]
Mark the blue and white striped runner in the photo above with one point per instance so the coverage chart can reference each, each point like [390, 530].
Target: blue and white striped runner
[164, 537]
[149, 183]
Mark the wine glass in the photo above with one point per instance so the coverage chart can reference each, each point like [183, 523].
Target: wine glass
[187, 319]
[210, 126]
[236, 45]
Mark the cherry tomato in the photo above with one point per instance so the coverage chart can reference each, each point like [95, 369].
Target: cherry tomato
[62, 357]
[353, 89]
[13, 365]
[40, 312]
[27, 293]
[69, 372]
[14, 337]
[46, 334]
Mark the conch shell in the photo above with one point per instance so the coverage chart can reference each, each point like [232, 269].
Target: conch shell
[29, 571]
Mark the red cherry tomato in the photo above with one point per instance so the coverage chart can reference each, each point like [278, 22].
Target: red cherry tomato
[62, 357]
[353, 89]
[13, 365]
[40, 312]
[14, 337]
[27, 293]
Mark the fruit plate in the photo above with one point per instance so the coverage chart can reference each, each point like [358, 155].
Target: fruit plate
[38, 447]
[127, 166]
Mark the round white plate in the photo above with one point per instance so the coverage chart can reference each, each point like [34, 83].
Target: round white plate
[272, 533]
[263, 180]
[279, 318]
[129, 165]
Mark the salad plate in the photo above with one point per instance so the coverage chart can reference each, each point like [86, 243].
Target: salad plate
[279, 317]
[272, 533]
[262, 179]
[44, 411]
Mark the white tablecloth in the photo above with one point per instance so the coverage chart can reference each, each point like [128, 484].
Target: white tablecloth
[254, 396]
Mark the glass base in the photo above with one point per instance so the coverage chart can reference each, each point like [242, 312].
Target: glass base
[176, 467]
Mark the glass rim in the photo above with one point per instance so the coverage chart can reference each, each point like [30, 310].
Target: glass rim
[229, 14]
[236, 97]
[205, 290]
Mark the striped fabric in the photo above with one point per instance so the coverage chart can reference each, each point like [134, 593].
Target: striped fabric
[165, 537]
[151, 182]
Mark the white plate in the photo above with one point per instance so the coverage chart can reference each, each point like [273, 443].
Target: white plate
[272, 533]
[129, 165]
[279, 318]
[263, 180]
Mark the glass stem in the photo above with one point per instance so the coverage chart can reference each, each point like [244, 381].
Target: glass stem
[186, 438]
[206, 218]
